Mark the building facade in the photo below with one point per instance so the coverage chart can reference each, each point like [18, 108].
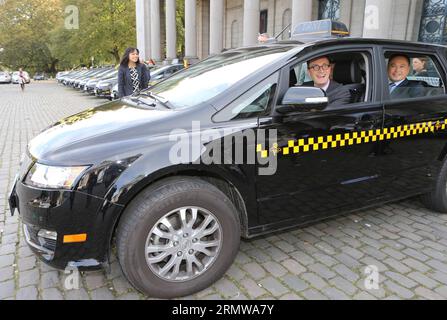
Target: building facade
[214, 25]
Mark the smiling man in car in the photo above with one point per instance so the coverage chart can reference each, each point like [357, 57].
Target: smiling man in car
[400, 87]
[320, 70]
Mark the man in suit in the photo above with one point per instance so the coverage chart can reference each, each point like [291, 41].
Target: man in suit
[320, 70]
[400, 87]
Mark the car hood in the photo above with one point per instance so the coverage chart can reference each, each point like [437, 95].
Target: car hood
[91, 134]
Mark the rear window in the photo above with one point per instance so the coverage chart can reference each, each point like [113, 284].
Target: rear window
[423, 75]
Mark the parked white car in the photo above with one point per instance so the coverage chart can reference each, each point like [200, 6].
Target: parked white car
[15, 77]
[5, 77]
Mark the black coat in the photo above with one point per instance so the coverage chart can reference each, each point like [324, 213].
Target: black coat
[125, 87]
[423, 73]
[408, 89]
[337, 93]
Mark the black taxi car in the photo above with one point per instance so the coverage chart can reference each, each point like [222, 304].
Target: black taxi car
[111, 173]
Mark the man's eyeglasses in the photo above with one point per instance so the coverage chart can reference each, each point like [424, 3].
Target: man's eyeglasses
[323, 67]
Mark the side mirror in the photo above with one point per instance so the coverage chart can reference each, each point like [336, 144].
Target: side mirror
[299, 99]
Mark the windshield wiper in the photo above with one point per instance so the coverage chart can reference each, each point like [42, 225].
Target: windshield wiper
[157, 98]
[139, 101]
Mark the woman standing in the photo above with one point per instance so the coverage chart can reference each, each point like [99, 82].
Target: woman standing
[133, 76]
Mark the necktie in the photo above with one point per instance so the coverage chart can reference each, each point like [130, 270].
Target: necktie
[392, 86]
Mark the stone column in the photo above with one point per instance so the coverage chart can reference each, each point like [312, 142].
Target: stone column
[155, 30]
[143, 29]
[414, 20]
[190, 30]
[251, 22]
[171, 31]
[301, 11]
[216, 26]
[377, 22]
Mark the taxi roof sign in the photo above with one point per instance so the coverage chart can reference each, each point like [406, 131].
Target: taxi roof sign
[320, 29]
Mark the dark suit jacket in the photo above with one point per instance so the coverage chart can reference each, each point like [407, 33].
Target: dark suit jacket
[337, 94]
[125, 87]
[423, 73]
[408, 89]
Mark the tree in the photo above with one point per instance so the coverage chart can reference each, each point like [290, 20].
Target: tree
[106, 28]
[34, 34]
[180, 21]
[24, 33]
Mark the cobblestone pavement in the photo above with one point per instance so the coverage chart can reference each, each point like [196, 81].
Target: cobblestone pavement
[406, 242]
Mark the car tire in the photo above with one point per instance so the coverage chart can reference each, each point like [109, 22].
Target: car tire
[436, 200]
[141, 221]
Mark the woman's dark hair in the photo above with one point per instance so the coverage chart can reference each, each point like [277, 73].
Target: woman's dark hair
[125, 59]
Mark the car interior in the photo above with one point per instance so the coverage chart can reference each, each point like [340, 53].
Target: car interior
[432, 82]
[349, 69]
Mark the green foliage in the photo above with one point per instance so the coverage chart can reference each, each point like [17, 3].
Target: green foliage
[34, 36]
[180, 21]
[24, 33]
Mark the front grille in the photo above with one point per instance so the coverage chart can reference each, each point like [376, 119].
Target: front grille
[49, 244]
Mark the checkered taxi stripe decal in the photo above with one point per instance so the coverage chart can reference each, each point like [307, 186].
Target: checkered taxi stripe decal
[351, 138]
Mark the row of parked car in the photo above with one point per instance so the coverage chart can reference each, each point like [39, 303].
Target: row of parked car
[103, 81]
[13, 77]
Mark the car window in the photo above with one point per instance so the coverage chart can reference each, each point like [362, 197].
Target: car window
[347, 73]
[255, 102]
[413, 75]
[301, 74]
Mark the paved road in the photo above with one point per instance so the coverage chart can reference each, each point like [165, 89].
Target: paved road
[406, 242]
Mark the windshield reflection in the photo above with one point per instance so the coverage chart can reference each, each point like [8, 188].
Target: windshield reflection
[214, 75]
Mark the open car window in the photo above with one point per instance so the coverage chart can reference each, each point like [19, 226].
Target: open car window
[348, 70]
[423, 77]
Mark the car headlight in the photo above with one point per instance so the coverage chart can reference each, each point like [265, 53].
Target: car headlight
[53, 177]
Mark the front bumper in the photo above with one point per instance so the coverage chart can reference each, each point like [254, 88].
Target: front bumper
[102, 92]
[67, 213]
[90, 89]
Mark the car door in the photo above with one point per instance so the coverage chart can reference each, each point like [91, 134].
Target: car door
[416, 129]
[326, 160]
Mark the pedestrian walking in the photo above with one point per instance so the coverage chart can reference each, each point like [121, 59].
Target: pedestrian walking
[22, 79]
[133, 76]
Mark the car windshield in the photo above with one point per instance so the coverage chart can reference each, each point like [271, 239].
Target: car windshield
[209, 78]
